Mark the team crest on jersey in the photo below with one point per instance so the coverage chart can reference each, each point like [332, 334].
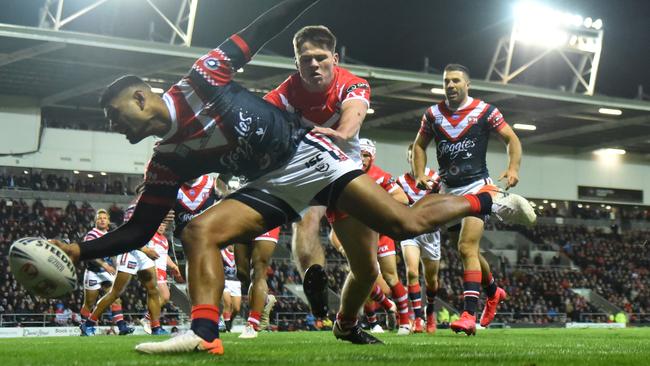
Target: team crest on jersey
[131, 265]
[353, 87]
[211, 63]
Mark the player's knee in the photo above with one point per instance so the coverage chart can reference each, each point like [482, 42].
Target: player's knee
[366, 275]
[412, 275]
[467, 249]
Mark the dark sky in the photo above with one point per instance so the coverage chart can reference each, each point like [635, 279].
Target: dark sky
[397, 34]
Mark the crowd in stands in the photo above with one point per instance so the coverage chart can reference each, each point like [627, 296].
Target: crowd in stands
[53, 182]
[611, 263]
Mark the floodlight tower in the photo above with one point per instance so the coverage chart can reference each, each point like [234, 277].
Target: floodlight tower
[551, 31]
[52, 15]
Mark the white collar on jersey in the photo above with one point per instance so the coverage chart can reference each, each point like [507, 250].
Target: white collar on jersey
[169, 103]
[467, 102]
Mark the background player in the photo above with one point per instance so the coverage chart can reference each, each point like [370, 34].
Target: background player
[460, 126]
[425, 247]
[232, 288]
[252, 262]
[100, 273]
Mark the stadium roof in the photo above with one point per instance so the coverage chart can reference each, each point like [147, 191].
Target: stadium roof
[66, 71]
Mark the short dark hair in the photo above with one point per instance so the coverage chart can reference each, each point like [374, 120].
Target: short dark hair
[116, 87]
[319, 35]
[458, 67]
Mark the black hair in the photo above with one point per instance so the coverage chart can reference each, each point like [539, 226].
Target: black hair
[458, 67]
[117, 86]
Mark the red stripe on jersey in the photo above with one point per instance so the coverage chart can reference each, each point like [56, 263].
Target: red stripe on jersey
[243, 46]
[469, 125]
[332, 147]
[460, 114]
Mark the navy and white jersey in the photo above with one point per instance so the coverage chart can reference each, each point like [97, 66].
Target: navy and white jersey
[91, 265]
[229, 265]
[461, 138]
[219, 126]
[193, 199]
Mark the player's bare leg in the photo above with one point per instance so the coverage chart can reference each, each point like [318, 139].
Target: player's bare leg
[309, 257]
[494, 293]
[90, 299]
[388, 267]
[306, 247]
[119, 285]
[411, 254]
[431, 269]
[360, 245]
[229, 221]
[260, 257]
[147, 278]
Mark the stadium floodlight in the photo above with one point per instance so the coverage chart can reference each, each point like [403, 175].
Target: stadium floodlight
[610, 111]
[158, 90]
[523, 126]
[102, 173]
[89, 175]
[75, 171]
[538, 25]
[439, 91]
[370, 111]
[26, 171]
[609, 152]
[240, 70]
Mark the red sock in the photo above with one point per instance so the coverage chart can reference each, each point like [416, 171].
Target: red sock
[209, 312]
[85, 313]
[155, 323]
[226, 316]
[116, 309]
[92, 318]
[402, 299]
[378, 296]
[475, 204]
[254, 319]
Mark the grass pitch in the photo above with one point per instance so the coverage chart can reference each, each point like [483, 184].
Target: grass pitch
[495, 347]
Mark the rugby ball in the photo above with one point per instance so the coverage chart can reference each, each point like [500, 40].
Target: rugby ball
[42, 268]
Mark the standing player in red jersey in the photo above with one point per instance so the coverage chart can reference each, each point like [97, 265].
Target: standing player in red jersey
[425, 247]
[386, 253]
[334, 101]
[460, 126]
[100, 273]
[160, 245]
[210, 123]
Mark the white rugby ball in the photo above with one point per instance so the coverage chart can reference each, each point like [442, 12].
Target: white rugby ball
[42, 268]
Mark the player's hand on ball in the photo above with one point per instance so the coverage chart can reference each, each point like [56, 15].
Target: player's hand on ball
[72, 249]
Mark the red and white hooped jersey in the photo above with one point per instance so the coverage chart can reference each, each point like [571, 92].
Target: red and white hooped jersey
[384, 179]
[160, 244]
[461, 138]
[92, 235]
[229, 265]
[324, 108]
[409, 185]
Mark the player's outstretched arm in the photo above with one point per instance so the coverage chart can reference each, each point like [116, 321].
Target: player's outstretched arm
[132, 235]
[273, 22]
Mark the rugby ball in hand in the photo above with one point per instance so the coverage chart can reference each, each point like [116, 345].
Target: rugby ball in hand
[42, 268]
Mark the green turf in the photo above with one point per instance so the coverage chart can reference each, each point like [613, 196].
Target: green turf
[495, 347]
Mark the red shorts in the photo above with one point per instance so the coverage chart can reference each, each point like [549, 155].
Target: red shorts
[161, 275]
[334, 215]
[273, 235]
[385, 247]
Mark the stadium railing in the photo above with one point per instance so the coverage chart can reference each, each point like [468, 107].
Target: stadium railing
[43, 319]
